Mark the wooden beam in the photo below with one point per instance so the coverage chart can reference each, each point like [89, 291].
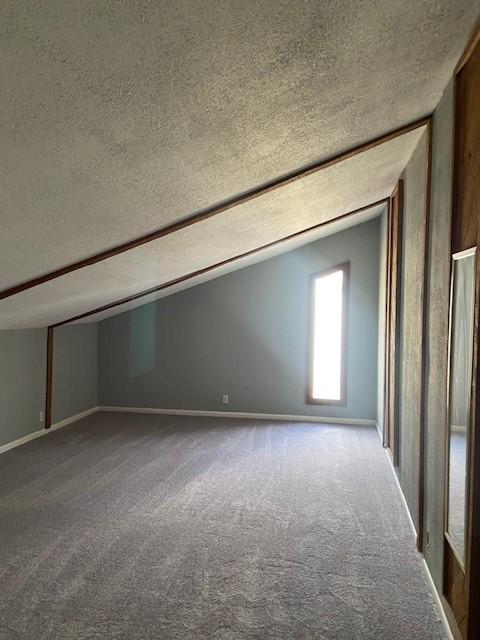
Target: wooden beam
[48, 386]
[395, 230]
[199, 272]
[469, 49]
[215, 210]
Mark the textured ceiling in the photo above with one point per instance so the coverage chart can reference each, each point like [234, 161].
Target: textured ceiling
[265, 254]
[320, 197]
[119, 118]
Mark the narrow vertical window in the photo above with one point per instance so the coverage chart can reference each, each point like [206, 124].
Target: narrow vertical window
[328, 339]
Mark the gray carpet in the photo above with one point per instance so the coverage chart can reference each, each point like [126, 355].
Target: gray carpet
[142, 526]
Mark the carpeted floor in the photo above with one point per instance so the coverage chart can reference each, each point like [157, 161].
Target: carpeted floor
[133, 526]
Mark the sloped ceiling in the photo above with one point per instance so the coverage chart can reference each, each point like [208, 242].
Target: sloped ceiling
[319, 198]
[335, 226]
[120, 118]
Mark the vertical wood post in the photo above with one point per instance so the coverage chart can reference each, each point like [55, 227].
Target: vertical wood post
[48, 388]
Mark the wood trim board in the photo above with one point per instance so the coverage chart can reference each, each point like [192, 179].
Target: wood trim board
[468, 51]
[386, 355]
[49, 379]
[461, 589]
[393, 318]
[466, 213]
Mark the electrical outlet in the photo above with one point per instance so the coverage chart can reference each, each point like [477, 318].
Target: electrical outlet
[41, 416]
[226, 398]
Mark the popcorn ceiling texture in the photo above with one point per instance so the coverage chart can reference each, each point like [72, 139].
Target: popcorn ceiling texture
[333, 228]
[320, 197]
[119, 118]
[55, 300]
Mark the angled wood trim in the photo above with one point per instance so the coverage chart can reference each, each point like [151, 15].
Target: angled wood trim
[469, 49]
[204, 270]
[216, 209]
[49, 379]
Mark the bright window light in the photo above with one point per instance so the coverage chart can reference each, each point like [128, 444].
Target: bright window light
[328, 318]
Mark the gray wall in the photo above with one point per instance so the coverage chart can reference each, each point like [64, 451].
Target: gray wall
[411, 326]
[245, 334]
[75, 379]
[22, 382]
[437, 331]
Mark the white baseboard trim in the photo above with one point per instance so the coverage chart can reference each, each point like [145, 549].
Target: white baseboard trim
[44, 432]
[433, 588]
[20, 441]
[402, 497]
[241, 414]
[438, 601]
[69, 420]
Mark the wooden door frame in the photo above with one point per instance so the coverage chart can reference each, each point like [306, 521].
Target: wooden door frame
[392, 322]
[461, 588]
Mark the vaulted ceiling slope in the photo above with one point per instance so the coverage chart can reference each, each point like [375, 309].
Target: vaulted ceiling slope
[320, 231]
[315, 199]
[119, 118]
